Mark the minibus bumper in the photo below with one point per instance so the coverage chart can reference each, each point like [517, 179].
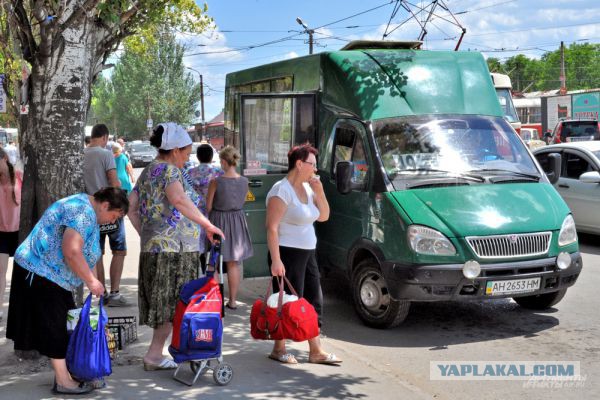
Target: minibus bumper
[447, 282]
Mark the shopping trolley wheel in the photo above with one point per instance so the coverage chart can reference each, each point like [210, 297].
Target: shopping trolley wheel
[222, 374]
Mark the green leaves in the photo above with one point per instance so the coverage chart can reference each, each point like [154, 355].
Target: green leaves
[582, 66]
[150, 75]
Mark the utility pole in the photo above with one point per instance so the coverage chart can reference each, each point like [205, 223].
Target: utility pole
[310, 34]
[202, 107]
[203, 121]
[563, 77]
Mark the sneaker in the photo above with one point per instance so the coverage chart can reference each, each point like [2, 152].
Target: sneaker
[117, 300]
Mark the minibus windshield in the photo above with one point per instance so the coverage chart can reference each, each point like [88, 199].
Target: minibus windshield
[417, 147]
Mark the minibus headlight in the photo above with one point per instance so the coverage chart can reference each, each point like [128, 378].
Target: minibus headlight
[424, 240]
[567, 234]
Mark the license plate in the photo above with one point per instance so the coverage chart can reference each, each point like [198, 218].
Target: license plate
[512, 286]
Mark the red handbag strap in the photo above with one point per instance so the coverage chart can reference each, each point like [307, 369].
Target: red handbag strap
[291, 287]
[281, 280]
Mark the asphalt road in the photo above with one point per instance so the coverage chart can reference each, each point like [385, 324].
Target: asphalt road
[479, 331]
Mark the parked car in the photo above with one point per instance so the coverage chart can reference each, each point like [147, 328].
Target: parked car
[575, 130]
[193, 160]
[579, 182]
[140, 153]
[531, 138]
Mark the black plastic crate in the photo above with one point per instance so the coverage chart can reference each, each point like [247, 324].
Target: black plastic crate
[124, 329]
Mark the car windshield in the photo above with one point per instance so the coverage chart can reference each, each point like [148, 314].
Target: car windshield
[449, 145]
[505, 99]
[142, 147]
[580, 130]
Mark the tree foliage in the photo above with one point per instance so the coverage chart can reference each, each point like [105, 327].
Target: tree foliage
[149, 75]
[582, 67]
[67, 44]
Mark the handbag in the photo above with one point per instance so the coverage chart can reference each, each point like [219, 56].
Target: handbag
[88, 357]
[296, 320]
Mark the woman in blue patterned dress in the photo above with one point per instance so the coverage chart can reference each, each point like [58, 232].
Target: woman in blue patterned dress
[200, 177]
[57, 256]
[164, 211]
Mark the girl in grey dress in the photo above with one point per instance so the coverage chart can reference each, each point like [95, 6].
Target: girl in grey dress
[225, 199]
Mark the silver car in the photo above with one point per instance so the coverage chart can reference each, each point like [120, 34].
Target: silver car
[579, 182]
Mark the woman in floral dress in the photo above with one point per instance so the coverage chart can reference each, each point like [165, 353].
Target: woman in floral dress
[169, 224]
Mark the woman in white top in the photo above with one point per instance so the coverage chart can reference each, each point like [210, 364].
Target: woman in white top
[293, 205]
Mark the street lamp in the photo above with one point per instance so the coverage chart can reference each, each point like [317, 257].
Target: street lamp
[310, 34]
[201, 98]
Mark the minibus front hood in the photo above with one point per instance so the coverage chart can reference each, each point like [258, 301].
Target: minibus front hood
[489, 209]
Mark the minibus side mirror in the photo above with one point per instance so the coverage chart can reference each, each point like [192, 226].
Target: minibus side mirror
[344, 171]
[554, 161]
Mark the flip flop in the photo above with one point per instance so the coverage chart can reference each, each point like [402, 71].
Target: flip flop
[164, 364]
[286, 358]
[230, 307]
[330, 359]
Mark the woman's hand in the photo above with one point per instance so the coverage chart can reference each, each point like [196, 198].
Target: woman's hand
[95, 287]
[315, 184]
[277, 268]
[212, 231]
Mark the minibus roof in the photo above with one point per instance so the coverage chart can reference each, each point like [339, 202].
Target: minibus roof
[383, 83]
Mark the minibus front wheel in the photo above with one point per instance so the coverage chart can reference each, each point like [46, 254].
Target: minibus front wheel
[372, 301]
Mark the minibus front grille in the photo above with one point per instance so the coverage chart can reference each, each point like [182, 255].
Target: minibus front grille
[510, 246]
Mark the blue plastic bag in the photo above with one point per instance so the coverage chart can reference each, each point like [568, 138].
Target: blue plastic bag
[88, 357]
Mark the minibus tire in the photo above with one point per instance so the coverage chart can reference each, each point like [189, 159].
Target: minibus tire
[541, 301]
[384, 312]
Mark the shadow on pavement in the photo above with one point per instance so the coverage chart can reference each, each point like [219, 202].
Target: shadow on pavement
[431, 324]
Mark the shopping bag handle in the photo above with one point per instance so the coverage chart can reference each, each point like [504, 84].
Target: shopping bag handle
[85, 311]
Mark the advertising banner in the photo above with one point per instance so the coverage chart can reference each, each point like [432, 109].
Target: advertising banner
[586, 105]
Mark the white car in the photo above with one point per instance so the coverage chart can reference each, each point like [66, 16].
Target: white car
[579, 182]
[531, 138]
[193, 160]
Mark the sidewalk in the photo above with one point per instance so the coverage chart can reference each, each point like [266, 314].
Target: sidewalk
[255, 376]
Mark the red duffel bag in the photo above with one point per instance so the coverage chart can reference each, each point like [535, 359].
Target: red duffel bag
[295, 320]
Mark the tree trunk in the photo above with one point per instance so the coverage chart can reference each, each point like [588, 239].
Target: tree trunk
[52, 133]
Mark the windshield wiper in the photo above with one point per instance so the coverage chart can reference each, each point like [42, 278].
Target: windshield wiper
[452, 174]
[496, 171]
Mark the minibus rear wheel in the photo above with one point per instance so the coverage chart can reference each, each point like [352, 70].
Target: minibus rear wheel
[541, 301]
[372, 300]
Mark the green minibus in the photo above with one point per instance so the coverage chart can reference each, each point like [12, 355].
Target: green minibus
[433, 195]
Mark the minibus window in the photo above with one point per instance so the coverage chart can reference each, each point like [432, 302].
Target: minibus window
[350, 147]
[272, 124]
[417, 146]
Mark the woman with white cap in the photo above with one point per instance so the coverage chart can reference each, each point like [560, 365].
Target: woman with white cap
[168, 223]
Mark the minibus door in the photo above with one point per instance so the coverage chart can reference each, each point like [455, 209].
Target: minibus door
[270, 124]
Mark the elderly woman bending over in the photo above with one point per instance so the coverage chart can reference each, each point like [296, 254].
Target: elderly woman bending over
[54, 259]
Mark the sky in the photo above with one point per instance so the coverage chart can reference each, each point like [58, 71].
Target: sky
[248, 33]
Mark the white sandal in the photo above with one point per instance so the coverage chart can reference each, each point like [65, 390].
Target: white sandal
[164, 364]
